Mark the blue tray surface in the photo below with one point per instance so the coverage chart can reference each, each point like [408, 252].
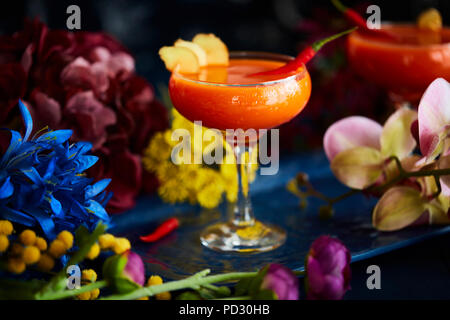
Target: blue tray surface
[180, 253]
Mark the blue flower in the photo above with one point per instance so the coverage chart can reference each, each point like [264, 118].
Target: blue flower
[42, 181]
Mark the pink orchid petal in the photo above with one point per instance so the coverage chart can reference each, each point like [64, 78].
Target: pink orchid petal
[445, 185]
[351, 132]
[434, 115]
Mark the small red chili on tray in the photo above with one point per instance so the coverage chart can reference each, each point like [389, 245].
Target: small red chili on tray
[303, 57]
[162, 230]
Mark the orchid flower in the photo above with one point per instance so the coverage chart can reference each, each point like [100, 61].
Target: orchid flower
[401, 206]
[434, 127]
[434, 119]
[358, 147]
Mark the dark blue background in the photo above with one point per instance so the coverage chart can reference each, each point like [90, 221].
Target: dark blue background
[144, 26]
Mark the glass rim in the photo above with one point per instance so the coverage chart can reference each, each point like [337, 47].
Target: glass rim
[251, 55]
[402, 45]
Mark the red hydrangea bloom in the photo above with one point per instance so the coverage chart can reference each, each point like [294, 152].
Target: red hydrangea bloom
[86, 82]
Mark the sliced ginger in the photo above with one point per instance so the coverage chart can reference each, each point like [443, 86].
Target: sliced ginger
[182, 59]
[195, 48]
[190, 56]
[216, 50]
[430, 20]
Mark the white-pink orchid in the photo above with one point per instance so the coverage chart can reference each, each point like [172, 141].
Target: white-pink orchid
[358, 148]
[434, 127]
[434, 118]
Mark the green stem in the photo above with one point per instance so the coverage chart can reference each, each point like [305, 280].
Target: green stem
[71, 293]
[320, 43]
[211, 287]
[398, 163]
[349, 193]
[193, 282]
[339, 5]
[439, 187]
[426, 173]
[401, 176]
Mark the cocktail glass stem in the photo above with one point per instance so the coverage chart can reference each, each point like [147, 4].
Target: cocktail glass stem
[243, 211]
[243, 232]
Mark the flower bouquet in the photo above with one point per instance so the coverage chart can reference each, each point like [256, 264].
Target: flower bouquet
[85, 82]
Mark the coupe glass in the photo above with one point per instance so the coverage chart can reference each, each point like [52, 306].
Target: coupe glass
[222, 106]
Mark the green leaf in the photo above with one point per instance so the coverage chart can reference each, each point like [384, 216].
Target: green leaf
[398, 208]
[113, 266]
[189, 295]
[206, 294]
[113, 273]
[123, 285]
[81, 235]
[255, 284]
[396, 138]
[358, 167]
[223, 291]
[243, 286]
[86, 244]
[210, 291]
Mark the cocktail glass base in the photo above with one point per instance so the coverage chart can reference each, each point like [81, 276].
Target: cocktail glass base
[247, 238]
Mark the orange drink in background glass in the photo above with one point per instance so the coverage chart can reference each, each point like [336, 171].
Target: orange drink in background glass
[406, 65]
[227, 98]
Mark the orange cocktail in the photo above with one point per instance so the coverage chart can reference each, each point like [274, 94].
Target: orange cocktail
[405, 65]
[227, 98]
[230, 97]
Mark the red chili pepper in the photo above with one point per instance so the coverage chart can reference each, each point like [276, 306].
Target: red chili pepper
[355, 18]
[303, 57]
[164, 229]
